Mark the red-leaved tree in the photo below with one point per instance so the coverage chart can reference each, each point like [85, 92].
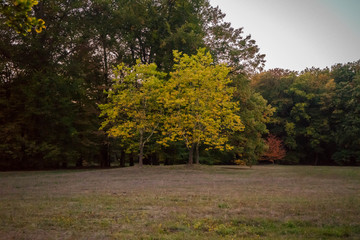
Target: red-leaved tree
[275, 150]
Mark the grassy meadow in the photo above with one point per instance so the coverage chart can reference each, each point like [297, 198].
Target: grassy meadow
[180, 202]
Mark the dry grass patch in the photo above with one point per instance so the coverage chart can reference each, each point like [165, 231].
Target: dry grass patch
[177, 202]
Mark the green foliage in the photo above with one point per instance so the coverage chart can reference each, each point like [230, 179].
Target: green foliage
[310, 116]
[292, 158]
[26, 144]
[316, 112]
[151, 30]
[306, 120]
[345, 115]
[255, 113]
[50, 85]
[228, 45]
[273, 86]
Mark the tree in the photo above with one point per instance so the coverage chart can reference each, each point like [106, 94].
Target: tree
[345, 117]
[308, 125]
[150, 30]
[198, 103]
[16, 15]
[51, 87]
[275, 149]
[133, 110]
[255, 113]
[273, 86]
[228, 45]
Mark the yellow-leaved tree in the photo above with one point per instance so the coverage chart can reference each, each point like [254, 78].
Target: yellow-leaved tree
[133, 112]
[198, 103]
[17, 15]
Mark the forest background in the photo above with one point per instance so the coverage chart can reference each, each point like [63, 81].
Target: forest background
[56, 80]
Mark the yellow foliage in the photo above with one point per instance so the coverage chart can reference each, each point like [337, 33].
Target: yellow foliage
[16, 15]
[195, 105]
[198, 102]
[133, 108]
[240, 162]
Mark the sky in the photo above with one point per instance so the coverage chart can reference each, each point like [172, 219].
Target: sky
[299, 34]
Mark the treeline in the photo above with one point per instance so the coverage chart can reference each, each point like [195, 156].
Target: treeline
[53, 82]
[317, 113]
[57, 87]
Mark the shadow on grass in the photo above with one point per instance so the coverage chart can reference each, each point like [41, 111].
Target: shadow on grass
[239, 168]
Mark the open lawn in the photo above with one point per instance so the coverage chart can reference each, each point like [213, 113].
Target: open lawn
[178, 202]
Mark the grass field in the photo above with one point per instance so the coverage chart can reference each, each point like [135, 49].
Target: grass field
[178, 202]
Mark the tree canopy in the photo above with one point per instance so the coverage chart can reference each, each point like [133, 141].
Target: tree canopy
[315, 113]
[198, 103]
[133, 111]
[55, 83]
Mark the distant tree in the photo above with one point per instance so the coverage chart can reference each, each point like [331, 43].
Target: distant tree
[52, 84]
[228, 45]
[198, 102]
[308, 125]
[275, 151]
[255, 113]
[150, 30]
[302, 117]
[345, 117]
[273, 86]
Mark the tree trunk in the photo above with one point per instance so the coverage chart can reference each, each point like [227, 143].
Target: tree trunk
[79, 162]
[141, 156]
[22, 155]
[197, 154]
[106, 69]
[191, 154]
[316, 158]
[154, 159]
[105, 156]
[132, 158]
[141, 149]
[122, 158]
